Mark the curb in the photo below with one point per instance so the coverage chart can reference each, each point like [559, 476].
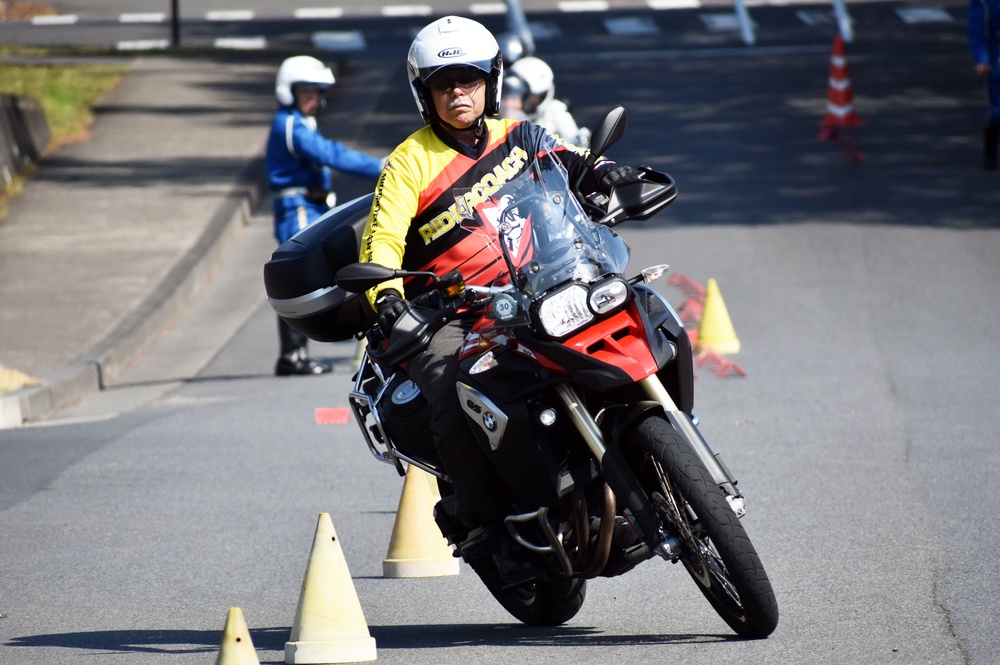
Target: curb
[104, 364]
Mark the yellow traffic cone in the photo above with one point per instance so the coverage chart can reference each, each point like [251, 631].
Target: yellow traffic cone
[329, 624]
[237, 648]
[715, 333]
[417, 548]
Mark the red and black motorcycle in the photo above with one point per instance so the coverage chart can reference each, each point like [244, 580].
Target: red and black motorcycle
[577, 382]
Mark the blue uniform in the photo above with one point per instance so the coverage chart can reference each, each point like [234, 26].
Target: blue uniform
[299, 160]
[984, 44]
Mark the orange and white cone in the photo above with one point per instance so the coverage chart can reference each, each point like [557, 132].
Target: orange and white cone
[840, 98]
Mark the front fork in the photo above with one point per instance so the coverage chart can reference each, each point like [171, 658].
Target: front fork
[682, 423]
[620, 477]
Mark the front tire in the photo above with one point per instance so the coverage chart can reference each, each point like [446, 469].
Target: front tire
[716, 550]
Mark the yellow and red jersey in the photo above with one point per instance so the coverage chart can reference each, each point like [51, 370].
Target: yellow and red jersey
[426, 188]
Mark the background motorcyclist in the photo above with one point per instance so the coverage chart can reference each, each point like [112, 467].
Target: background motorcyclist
[529, 93]
[455, 70]
[298, 161]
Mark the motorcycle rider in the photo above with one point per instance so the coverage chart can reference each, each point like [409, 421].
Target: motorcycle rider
[298, 162]
[529, 92]
[455, 69]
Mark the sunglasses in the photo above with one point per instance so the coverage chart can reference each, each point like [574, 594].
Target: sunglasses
[449, 79]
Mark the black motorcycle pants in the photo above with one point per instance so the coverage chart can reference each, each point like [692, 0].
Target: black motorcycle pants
[478, 489]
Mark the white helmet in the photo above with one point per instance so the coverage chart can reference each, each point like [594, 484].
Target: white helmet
[300, 69]
[537, 77]
[453, 41]
[512, 47]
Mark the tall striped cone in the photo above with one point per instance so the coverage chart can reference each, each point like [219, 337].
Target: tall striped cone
[840, 98]
[715, 332]
[329, 623]
[237, 648]
[417, 548]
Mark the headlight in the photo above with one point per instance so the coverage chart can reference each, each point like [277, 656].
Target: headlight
[608, 296]
[564, 311]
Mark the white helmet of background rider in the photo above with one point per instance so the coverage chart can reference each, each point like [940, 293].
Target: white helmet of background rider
[453, 41]
[511, 47]
[300, 70]
[538, 78]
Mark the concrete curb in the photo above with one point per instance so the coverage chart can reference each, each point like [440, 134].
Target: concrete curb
[102, 365]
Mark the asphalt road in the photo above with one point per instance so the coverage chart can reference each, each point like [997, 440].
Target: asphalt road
[864, 433]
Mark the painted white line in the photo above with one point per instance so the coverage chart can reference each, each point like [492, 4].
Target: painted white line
[318, 12]
[488, 8]
[67, 19]
[142, 17]
[721, 22]
[913, 15]
[344, 40]
[406, 10]
[584, 6]
[542, 30]
[143, 45]
[673, 4]
[242, 43]
[814, 17]
[631, 26]
[687, 54]
[230, 15]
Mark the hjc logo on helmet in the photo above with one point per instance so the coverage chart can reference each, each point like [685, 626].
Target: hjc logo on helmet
[451, 53]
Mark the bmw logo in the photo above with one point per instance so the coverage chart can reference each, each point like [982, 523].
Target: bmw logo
[489, 422]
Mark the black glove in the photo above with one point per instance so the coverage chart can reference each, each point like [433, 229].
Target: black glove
[390, 306]
[612, 176]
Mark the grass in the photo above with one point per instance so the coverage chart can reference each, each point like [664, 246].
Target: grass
[67, 93]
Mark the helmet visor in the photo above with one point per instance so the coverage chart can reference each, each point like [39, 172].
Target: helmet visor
[483, 68]
[448, 78]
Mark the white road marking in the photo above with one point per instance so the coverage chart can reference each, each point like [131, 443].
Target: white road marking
[913, 15]
[142, 17]
[406, 10]
[143, 45]
[631, 26]
[584, 6]
[241, 43]
[67, 19]
[344, 40]
[230, 15]
[721, 22]
[673, 4]
[318, 12]
[488, 8]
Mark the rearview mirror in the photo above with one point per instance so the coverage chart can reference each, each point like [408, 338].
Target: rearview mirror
[609, 130]
[359, 277]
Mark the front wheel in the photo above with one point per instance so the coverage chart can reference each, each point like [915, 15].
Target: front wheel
[715, 548]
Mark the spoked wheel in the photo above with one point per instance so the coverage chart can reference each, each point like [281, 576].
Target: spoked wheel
[542, 602]
[716, 550]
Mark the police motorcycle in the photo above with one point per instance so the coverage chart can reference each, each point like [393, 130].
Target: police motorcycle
[577, 381]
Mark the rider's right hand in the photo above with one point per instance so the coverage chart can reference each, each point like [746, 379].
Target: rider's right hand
[390, 305]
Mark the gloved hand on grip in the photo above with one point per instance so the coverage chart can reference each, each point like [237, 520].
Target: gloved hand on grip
[612, 176]
[390, 306]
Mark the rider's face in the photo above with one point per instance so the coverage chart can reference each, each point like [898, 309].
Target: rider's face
[307, 99]
[459, 102]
